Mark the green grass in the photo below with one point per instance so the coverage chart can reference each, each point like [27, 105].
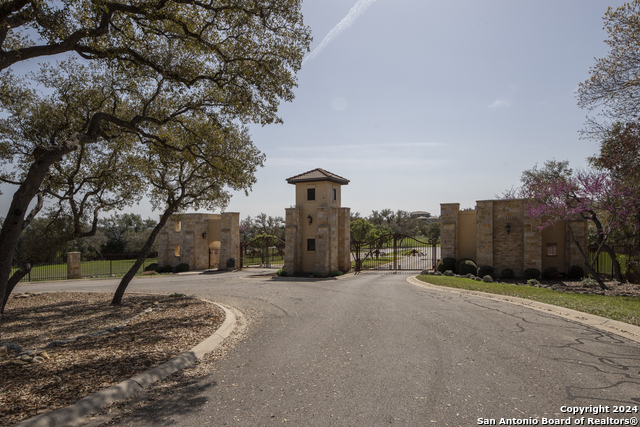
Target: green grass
[257, 260]
[623, 309]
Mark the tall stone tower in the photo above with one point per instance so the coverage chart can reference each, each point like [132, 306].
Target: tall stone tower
[318, 227]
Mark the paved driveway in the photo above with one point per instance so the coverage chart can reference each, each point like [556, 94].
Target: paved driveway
[373, 350]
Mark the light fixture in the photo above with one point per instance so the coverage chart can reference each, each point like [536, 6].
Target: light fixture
[508, 228]
[310, 219]
[204, 235]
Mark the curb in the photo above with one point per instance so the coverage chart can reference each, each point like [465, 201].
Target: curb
[75, 414]
[630, 332]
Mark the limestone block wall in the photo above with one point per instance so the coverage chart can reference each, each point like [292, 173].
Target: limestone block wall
[230, 239]
[532, 243]
[344, 239]
[484, 233]
[293, 239]
[327, 240]
[449, 229]
[574, 257]
[508, 242]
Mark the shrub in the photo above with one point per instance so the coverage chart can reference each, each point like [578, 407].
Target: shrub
[448, 273]
[467, 267]
[446, 264]
[164, 269]
[335, 273]
[317, 274]
[182, 267]
[507, 273]
[459, 263]
[487, 279]
[532, 282]
[151, 266]
[531, 273]
[576, 272]
[551, 273]
[589, 282]
[281, 273]
[485, 270]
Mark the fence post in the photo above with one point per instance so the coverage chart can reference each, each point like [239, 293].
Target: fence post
[73, 265]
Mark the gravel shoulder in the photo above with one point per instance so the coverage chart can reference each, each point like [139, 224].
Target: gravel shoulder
[79, 344]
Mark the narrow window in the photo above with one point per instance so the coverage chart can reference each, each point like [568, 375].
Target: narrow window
[176, 251]
[335, 194]
[311, 194]
[178, 225]
[311, 245]
[552, 249]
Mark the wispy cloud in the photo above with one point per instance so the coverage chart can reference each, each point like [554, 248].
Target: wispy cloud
[503, 102]
[357, 10]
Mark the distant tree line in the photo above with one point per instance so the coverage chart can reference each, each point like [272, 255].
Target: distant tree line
[387, 221]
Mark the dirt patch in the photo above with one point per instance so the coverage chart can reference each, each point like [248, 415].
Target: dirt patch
[106, 344]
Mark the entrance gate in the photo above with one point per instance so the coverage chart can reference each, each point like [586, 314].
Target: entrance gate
[394, 252]
[263, 251]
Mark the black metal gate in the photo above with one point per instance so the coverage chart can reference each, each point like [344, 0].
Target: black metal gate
[263, 251]
[394, 252]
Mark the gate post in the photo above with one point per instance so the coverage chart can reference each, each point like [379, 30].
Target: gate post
[73, 265]
[230, 239]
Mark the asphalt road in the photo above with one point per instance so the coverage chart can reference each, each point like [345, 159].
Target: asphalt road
[373, 350]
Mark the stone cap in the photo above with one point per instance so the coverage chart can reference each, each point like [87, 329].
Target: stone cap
[317, 175]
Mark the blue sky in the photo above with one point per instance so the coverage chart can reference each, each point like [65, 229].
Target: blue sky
[421, 102]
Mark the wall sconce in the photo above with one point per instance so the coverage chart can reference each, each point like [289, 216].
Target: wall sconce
[310, 219]
[204, 235]
[508, 228]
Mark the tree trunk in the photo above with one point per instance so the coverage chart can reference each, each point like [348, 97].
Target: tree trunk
[122, 287]
[592, 272]
[14, 222]
[600, 240]
[13, 281]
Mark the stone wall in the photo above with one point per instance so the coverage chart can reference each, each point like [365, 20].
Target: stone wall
[73, 265]
[230, 241]
[293, 239]
[449, 229]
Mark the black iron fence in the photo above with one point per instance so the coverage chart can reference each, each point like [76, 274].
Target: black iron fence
[394, 252]
[109, 265]
[628, 257]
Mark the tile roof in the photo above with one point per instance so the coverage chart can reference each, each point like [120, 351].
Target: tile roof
[317, 175]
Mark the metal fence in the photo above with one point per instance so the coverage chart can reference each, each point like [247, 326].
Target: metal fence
[109, 265]
[628, 257]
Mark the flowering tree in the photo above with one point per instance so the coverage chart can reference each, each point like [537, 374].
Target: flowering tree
[586, 194]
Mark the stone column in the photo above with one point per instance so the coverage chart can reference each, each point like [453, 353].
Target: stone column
[344, 239]
[73, 265]
[230, 240]
[484, 233]
[324, 241]
[449, 229]
[293, 241]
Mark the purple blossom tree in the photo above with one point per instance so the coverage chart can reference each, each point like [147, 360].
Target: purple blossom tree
[585, 194]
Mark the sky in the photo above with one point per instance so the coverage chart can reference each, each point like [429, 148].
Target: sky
[421, 102]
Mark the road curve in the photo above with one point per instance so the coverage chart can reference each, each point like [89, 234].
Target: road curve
[373, 350]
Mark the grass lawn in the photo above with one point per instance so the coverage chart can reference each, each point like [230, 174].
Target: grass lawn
[87, 268]
[621, 308]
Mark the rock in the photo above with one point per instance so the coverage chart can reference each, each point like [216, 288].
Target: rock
[4, 352]
[148, 310]
[38, 359]
[43, 354]
[26, 358]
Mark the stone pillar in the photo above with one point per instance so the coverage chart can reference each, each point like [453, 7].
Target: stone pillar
[484, 233]
[449, 229]
[230, 240]
[344, 239]
[73, 265]
[532, 243]
[324, 241]
[293, 241]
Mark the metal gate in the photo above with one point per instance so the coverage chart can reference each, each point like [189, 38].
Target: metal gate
[263, 251]
[394, 252]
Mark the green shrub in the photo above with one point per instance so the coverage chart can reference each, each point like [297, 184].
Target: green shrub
[446, 264]
[507, 273]
[485, 270]
[531, 273]
[335, 273]
[589, 282]
[459, 263]
[551, 273]
[182, 267]
[281, 273]
[576, 272]
[151, 266]
[532, 282]
[164, 269]
[317, 274]
[467, 267]
[487, 279]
